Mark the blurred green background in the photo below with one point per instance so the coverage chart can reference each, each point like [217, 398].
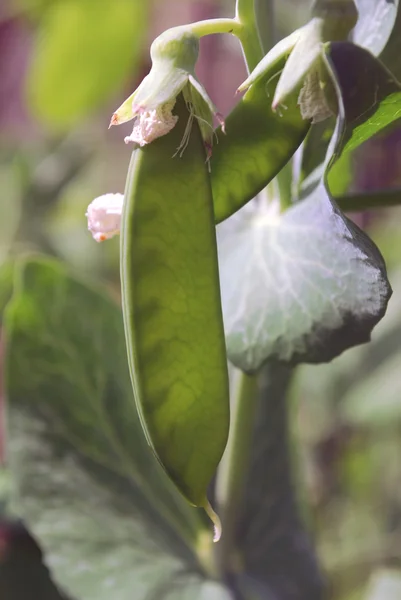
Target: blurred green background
[65, 65]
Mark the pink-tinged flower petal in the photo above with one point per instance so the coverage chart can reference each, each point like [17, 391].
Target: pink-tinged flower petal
[104, 216]
[152, 124]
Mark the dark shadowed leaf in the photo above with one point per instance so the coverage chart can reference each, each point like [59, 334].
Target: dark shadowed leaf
[23, 576]
[89, 488]
[370, 104]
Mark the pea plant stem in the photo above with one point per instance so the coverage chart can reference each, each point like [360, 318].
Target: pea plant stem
[212, 26]
[232, 469]
[284, 183]
[250, 38]
[367, 201]
[242, 27]
[265, 14]
[244, 390]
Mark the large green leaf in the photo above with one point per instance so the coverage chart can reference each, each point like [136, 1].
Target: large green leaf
[257, 145]
[83, 52]
[172, 310]
[307, 284]
[87, 484]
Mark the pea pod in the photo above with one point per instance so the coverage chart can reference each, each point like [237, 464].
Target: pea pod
[172, 310]
[258, 143]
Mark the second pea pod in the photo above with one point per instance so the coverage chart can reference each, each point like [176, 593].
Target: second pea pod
[172, 309]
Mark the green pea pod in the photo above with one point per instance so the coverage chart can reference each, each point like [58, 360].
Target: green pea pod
[172, 309]
[258, 143]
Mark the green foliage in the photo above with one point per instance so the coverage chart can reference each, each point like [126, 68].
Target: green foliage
[76, 449]
[84, 51]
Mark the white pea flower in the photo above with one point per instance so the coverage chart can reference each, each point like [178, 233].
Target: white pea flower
[174, 54]
[104, 216]
[305, 66]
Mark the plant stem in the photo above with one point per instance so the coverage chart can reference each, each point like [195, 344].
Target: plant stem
[247, 35]
[212, 26]
[284, 184]
[274, 540]
[232, 470]
[264, 10]
[250, 39]
[363, 201]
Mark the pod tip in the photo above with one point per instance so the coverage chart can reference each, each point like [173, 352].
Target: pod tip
[214, 517]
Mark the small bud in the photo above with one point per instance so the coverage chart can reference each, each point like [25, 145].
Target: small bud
[174, 55]
[104, 216]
